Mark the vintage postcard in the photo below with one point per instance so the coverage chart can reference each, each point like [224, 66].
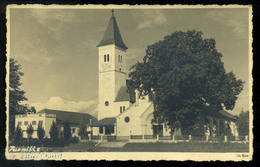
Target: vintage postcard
[126, 82]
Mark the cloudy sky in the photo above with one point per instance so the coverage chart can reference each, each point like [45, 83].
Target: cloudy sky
[58, 54]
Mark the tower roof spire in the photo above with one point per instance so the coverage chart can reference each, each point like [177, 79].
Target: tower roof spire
[112, 34]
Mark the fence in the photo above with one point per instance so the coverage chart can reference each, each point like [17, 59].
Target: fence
[157, 138]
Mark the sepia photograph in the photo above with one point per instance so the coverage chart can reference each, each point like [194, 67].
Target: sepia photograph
[145, 82]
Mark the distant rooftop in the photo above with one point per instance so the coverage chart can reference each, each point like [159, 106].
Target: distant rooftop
[72, 117]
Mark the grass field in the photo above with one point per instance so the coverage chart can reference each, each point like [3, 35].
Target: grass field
[156, 147]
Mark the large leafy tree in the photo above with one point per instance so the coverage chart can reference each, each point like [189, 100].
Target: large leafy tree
[243, 123]
[16, 95]
[186, 77]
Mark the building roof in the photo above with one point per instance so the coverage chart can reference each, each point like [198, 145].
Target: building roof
[123, 95]
[104, 121]
[72, 117]
[112, 35]
[221, 114]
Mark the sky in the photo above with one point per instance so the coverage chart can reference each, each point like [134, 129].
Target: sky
[57, 47]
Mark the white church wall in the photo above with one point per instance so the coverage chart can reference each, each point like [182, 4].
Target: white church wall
[120, 65]
[134, 126]
[106, 93]
[104, 50]
[122, 104]
[110, 80]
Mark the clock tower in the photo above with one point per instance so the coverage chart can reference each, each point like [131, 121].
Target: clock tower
[112, 69]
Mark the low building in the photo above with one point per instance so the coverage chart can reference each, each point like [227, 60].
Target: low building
[45, 117]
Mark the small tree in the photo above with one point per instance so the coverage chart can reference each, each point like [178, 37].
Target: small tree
[40, 132]
[82, 131]
[67, 131]
[29, 131]
[18, 135]
[54, 133]
[243, 123]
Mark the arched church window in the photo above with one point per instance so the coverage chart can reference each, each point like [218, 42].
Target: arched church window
[106, 103]
[105, 58]
[127, 119]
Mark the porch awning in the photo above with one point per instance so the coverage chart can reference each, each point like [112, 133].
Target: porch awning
[104, 122]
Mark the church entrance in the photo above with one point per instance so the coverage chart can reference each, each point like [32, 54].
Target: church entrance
[158, 130]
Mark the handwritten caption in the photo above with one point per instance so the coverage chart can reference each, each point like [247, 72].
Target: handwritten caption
[32, 152]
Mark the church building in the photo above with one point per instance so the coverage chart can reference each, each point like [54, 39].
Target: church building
[119, 113]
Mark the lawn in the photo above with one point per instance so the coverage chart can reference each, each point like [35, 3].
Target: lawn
[156, 147]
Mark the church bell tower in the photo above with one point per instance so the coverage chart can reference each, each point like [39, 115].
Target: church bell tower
[112, 68]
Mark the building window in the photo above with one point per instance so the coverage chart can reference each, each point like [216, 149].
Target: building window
[73, 130]
[19, 123]
[40, 122]
[101, 129]
[122, 109]
[127, 119]
[118, 58]
[105, 58]
[121, 59]
[33, 122]
[25, 122]
[106, 103]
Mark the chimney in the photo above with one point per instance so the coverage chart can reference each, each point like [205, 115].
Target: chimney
[90, 121]
[136, 97]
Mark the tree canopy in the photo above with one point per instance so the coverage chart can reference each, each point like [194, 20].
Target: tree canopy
[186, 77]
[16, 95]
